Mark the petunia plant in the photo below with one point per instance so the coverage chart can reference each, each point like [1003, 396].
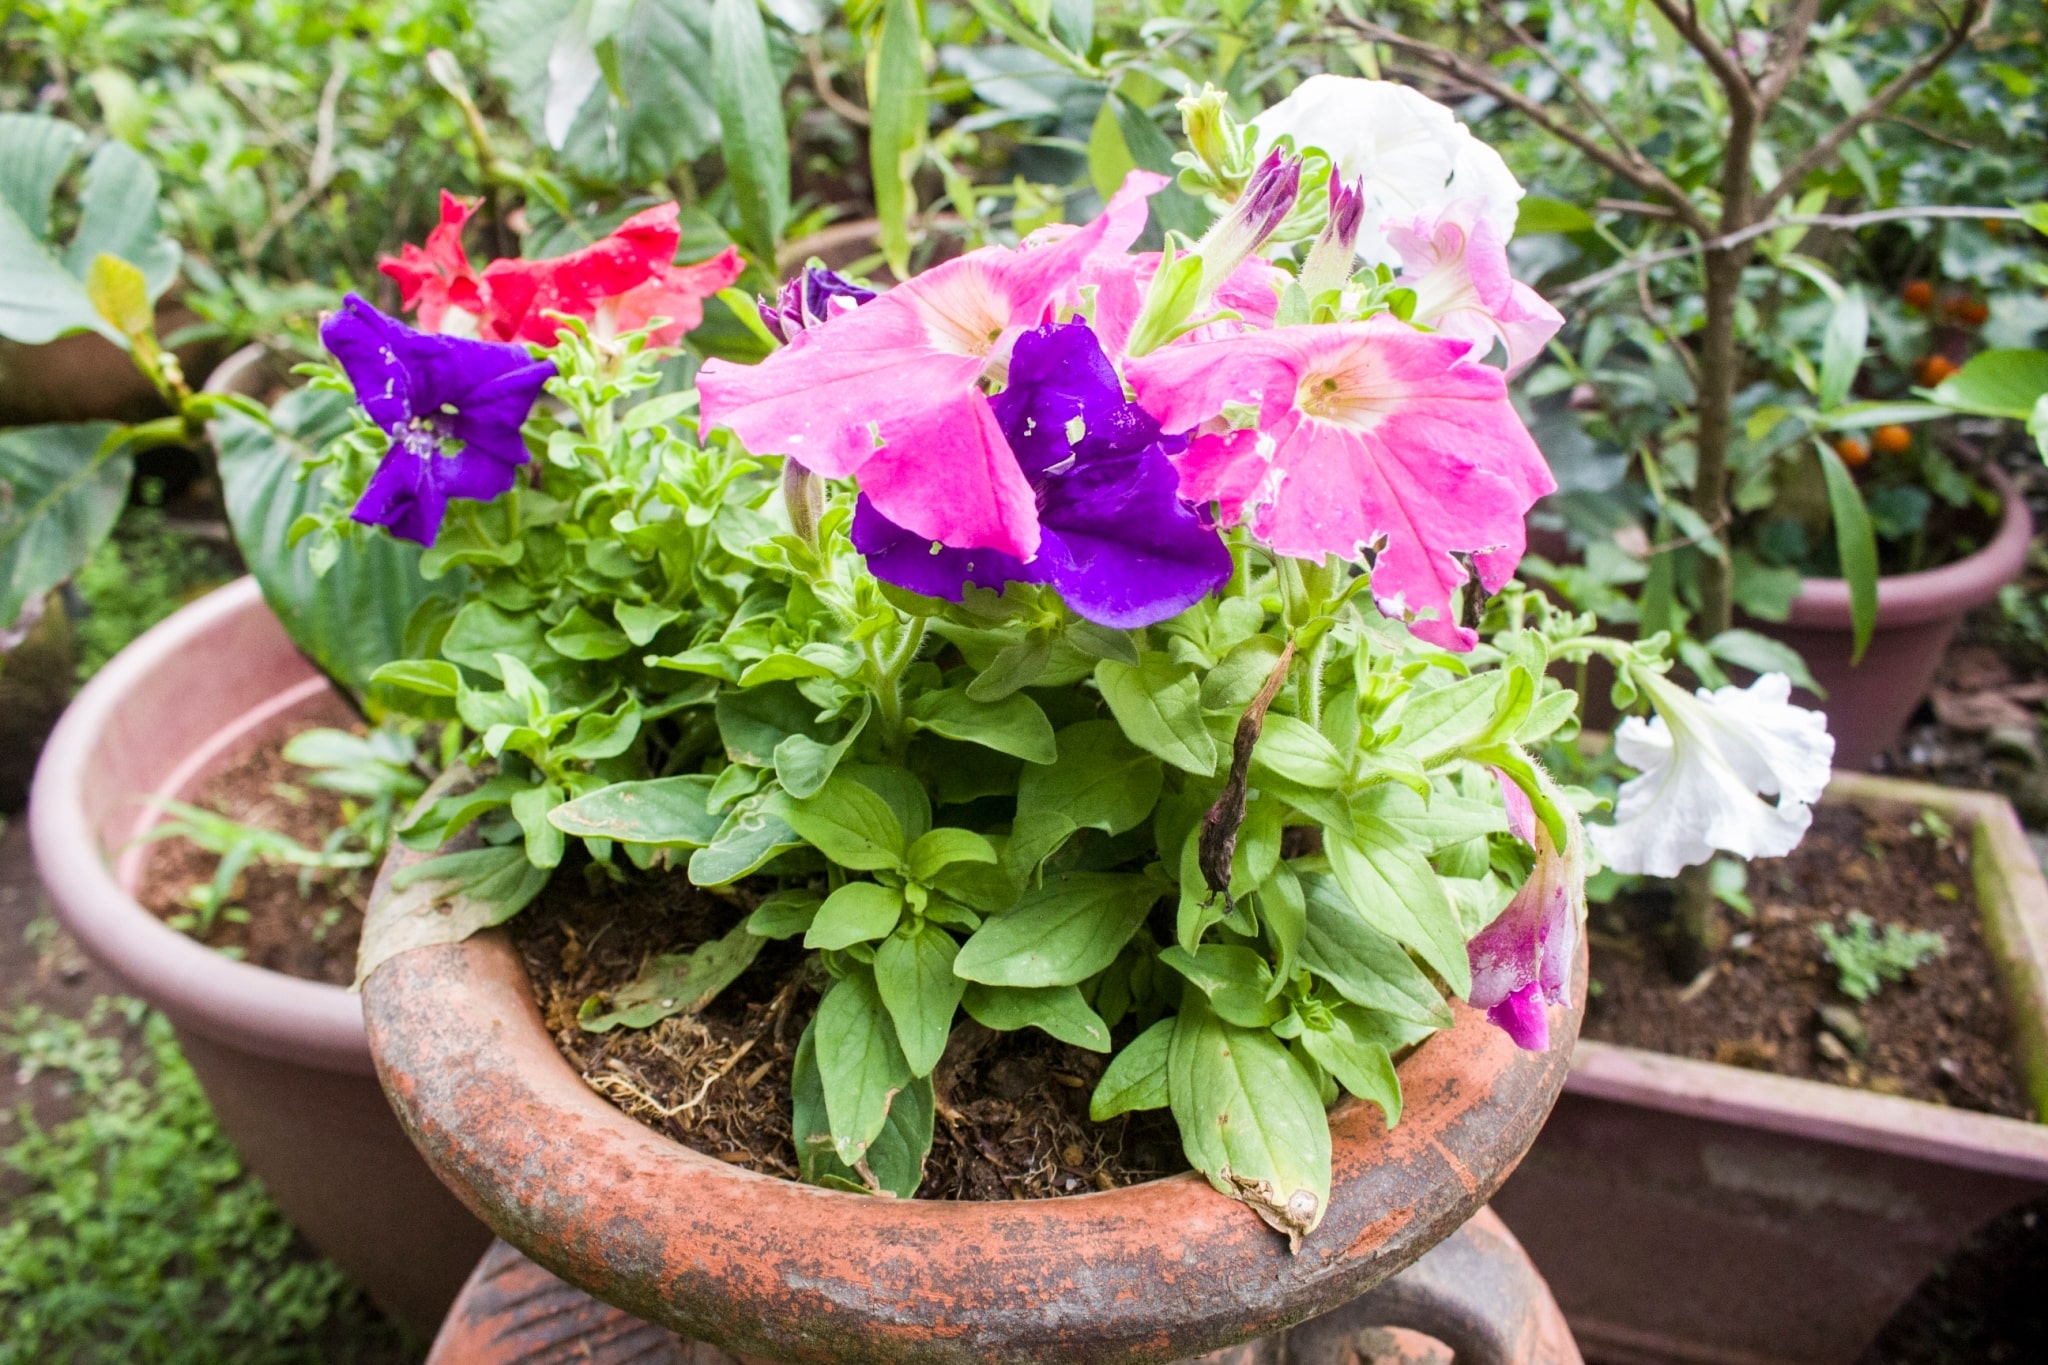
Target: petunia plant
[1120, 645]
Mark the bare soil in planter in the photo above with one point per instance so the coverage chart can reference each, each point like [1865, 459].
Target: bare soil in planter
[1942, 1035]
[1012, 1108]
[308, 932]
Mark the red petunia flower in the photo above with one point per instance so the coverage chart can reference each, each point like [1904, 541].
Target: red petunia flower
[437, 280]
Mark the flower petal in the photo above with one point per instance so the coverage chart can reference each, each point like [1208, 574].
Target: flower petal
[947, 474]
[916, 562]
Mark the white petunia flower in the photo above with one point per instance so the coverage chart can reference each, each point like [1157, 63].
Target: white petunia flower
[1701, 762]
[1413, 155]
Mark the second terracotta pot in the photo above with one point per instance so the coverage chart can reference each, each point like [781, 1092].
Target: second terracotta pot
[1869, 703]
[282, 1060]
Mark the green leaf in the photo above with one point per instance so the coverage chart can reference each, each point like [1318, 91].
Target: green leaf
[118, 216]
[753, 723]
[1159, 706]
[1136, 1078]
[1361, 1065]
[59, 499]
[1013, 725]
[748, 93]
[544, 843]
[39, 299]
[582, 636]
[858, 912]
[859, 1063]
[1441, 721]
[941, 848]
[897, 107]
[914, 974]
[1842, 347]
[749, 838]
[445, 900]
[1283, 910]
[1389, 883]
[1762, 654]
[35, 152]
[642, 622]
[429, 677]
[1298, 752]
[894, 1160]
[1100, 780]
[785, 914]
[1855, 543]
[1061, 933]
[667, 811]
[673, 983]
[803, 765]
[1250, 1118]
[351, 620]
[2002, 383]
[1236, 980]
[1109, 160]
[1536, 216]
[1014, 666]
[1172, 209]
[1057, 1010]
[849, 823]
[1367, 967]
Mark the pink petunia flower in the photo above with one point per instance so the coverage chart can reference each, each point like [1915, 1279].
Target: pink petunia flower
[1458, 268]
[1367, 435]
[890, 392]
[1116, 286]
[1523, 960]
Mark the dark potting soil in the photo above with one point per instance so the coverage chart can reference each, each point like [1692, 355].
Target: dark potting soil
[1983, 1305]
[1944, 1034]
[1012, 1107]
[308, 930]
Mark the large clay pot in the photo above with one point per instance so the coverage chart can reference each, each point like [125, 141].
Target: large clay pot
[1869, 703]
[283, 1060]
[770, 1269]
[1685, 1211]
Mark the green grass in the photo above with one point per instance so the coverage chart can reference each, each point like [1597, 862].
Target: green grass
[139, 1237]
[136, 578]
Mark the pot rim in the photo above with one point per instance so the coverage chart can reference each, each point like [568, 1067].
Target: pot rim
[763, 1265]
[2015, 928]
[1950, 590]
[234, 1003]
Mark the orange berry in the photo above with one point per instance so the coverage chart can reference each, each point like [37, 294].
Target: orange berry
[1970, 312]
[1917, 294]
[1892, 440]
[1853, 452]
[1933, 369]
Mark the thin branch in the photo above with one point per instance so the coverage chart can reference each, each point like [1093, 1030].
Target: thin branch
[1572, 83]
[1734, 78]
[821, 81]
[1785, 65]
[1975, 15]
[1843, 221]
[1637, 172]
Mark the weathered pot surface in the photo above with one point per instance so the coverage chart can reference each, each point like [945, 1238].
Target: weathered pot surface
[1671, 1203]
[1869, 703]
[282, 1060]
[766, 1267]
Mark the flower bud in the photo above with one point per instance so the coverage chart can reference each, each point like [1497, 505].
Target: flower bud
[1217, 140]
[1330, 260]
[1267, 200]
[803, 494]
[815, 296]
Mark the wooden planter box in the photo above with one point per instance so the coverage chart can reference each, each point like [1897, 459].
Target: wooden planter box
[1685, 1211]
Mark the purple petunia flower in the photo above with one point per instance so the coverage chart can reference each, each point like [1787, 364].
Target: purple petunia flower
[815, 296]
[1118, 543]
[452, 407]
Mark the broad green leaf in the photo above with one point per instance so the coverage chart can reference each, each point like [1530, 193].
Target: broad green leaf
[120, 296]
[1297, 751]
[1361, 1065]
[1536, 216]
[1172, 209]
[858, 912]
[118, 216]
[445, 900]
[1236, 980]
[582, 636]
[1444, 820]
[1396, 891]
[1762, 654]
[667, 811]
[1283, 913]
[897, 105]
[1250, 1118]
[350, 620]
[753, 723]
[941, 848]
[673, 983]
[544, 843]
[1014, 666]
[59, 499]
[1440, 721]
[1099, 781]
[2003, 383]
[429, 677]
[35, 152]
[1061, 933]
[1238, 676]
[804, 764]
[1013, 725]
[1057, 1010]
[894, 1160]
[914, 974]
[642, 623]
[785, 914]
[749, 838]
[859, 1063]
[849, 823]
[39, 299]
[1109, 160]
[1159, 706]
[748, 93]
[1855, 543]
[1136, 1078]
[1842, 347]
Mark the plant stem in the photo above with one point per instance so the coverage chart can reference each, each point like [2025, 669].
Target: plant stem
[1699, 931]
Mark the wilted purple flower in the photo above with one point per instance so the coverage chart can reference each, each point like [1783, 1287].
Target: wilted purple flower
[1523, 960]
[1269, 196]
[816, 295]
[1118, 543]
[452, 407]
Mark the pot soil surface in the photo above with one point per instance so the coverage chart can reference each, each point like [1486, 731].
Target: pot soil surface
[308, 932]
[1012, 1107]
[1942, 1035]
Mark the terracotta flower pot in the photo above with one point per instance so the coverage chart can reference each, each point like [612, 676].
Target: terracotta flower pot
[283, 1060]
[1917, 615]
[768, 1268]
[1685, 1211]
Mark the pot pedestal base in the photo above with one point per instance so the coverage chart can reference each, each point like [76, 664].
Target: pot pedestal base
[1476, 1293]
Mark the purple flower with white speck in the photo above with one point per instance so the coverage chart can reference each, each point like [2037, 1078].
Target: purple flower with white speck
[1118, 543]
[815, 296]
[453, 408]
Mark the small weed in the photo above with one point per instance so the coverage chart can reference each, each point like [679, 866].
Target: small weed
[1864, 959]
[139, 1238]
[140, 575]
